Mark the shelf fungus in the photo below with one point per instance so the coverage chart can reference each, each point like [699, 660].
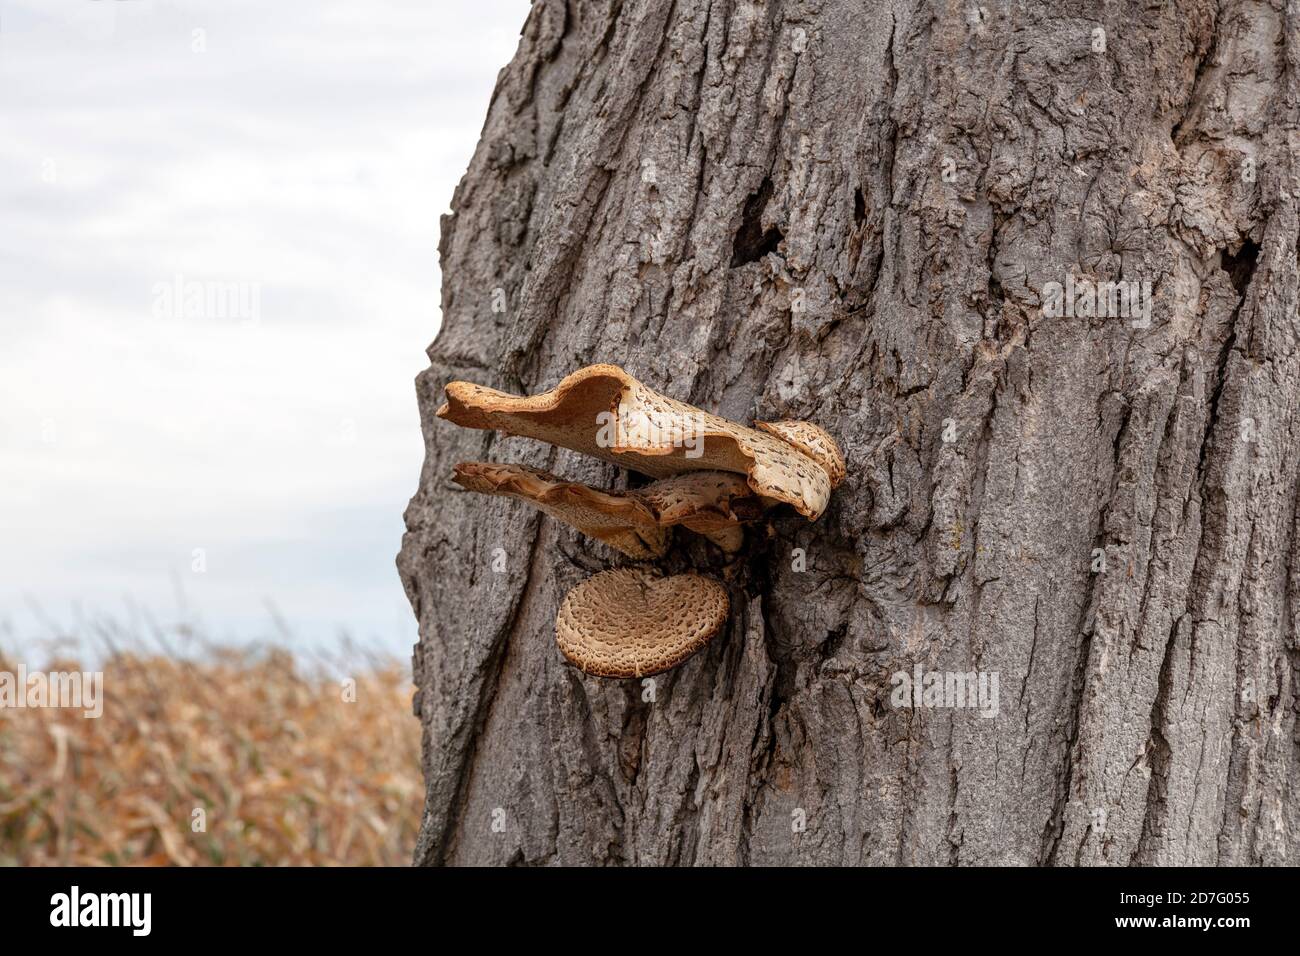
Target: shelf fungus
[621, 520]
[602, 411]
[712, 503]
[713, 477]
[631, 622]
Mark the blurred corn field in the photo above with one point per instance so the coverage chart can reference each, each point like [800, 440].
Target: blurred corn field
[284, 767]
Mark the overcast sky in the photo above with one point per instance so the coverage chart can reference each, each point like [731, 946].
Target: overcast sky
[252, 441]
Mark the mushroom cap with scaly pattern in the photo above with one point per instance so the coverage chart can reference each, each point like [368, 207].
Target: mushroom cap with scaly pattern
[631, 622]
[814, 441]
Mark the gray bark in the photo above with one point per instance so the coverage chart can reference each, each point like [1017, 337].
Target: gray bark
[847, 212]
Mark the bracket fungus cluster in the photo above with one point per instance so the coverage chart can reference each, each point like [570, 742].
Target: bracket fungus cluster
[713, 477]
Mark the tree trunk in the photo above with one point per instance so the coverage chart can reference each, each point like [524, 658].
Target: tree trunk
[852, 213]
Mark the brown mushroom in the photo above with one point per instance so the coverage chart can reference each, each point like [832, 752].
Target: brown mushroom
[634, 522]
[604, 412]
[813, 441]
[632, 623]
[622, 521]
[715, 504]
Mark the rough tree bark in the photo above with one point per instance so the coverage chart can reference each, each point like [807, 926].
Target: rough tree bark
[848, 212]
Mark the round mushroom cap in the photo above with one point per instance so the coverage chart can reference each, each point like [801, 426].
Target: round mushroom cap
[631, 622]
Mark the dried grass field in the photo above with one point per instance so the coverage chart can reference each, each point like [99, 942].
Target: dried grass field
[234, 759]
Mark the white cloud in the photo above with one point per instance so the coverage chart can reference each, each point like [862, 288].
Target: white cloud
[308, 153]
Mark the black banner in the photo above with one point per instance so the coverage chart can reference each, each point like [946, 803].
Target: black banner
[336, 906]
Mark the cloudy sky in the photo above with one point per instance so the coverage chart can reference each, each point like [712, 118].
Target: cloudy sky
[242, 450]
